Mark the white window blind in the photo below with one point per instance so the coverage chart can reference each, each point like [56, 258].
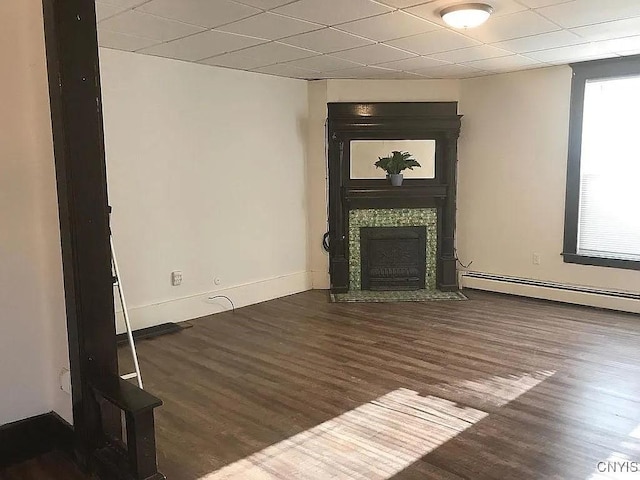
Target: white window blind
[609, 220]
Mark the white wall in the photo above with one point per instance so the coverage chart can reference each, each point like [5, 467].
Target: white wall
[317, 183]
[512, 174]
[207, 169]
[33, 339]
[326, 91]
[207, 175]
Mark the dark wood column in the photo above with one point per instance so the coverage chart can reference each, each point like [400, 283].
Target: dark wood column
[338, 223]
[99, 394]
[447, 276]
[76, 111]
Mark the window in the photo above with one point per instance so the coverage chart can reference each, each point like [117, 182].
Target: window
[602, 219]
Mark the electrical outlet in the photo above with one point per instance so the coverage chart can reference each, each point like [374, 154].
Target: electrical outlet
[535, 258]
[176, 278]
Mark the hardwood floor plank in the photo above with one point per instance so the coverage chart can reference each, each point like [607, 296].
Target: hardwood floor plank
[299, 388]
[236, 384]
[52, 466]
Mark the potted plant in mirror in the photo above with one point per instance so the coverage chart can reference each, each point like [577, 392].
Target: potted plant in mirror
[394, 164]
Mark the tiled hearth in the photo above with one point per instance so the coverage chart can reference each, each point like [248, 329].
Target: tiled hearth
[399, 217]
[365, 296]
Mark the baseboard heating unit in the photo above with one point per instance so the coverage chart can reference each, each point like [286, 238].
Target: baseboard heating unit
[561, 292]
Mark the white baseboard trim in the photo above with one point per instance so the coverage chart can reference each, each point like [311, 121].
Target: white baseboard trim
[320, 280]
[195, 306]
[572, 294]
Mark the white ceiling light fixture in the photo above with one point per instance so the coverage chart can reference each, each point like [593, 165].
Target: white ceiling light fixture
[466, 15]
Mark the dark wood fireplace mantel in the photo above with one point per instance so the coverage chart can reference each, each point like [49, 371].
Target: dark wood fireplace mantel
[437, 121]
[386, 196]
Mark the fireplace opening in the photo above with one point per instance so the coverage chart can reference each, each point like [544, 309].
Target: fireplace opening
[393, 258]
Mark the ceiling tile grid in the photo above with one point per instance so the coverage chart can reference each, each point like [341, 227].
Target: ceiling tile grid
[374, 54]
[389, 26]
[402, 39]
[202, 45]
[204, 13]
[327, 40]
[132, 22]
[271, 26]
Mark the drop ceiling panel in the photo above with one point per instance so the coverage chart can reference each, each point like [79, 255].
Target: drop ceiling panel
[104, 11]
[203, 45]
[332, 12]
[402, 3]
[398, 35]
[609, 30]
[327, 40]
[373, 54]
[270, 26]
[276, 52]
[367, 72]
[206, 13]
[542, 3]
[588, 12]
[125, 4]
[574, 53]
[561, 38]
[120, 41]
[450, 71]
[500, 64]
[323, 63]
[442, 40]
[622, 46]
[413, 64]
[472, 74]
[149, 26]
[399, 75]
[265, 4]
[515, 25]
[286, 70]
[479, 52]
[238, 60]
[389, 26]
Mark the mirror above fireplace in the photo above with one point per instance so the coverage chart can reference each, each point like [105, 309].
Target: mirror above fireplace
[364, 153]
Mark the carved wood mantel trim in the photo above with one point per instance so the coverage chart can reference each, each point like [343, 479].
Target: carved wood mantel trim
[437, 121]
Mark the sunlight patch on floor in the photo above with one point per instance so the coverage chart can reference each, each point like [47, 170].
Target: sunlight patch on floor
[376, 440]
[496, 391]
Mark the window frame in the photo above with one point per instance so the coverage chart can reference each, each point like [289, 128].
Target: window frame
[583, 72]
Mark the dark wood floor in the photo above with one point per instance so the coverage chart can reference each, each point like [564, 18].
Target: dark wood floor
[52, 466]
[496, 387]
[235, 384]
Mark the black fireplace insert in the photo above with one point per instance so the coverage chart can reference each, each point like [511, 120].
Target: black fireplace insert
[393, 258]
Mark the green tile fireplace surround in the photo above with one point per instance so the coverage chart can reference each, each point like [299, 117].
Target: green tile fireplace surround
[397, 217]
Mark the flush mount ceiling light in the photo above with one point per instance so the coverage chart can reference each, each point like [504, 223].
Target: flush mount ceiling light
[466, 15]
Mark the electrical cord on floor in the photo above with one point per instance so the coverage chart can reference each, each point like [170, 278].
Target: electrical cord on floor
[455, 255]
[233, 307]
